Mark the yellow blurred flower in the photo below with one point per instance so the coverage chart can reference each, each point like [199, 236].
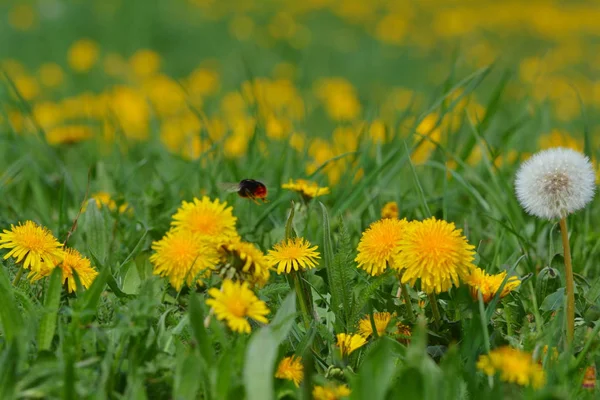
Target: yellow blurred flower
[105, 199]
[435, 252]
[27, 86]
[291, 368]
[293, 254]
[144, 63]
[382, 320]
[203, 82]
[514, 366]
[488, 285]
[183, 257]
[32, 245]
[22, 17]
[428, 135]
[51, 75]
[83, 55]
[390, 210]
[69, 134]
[348, 343]
[330, 392]
[235, 303]
[558, 138]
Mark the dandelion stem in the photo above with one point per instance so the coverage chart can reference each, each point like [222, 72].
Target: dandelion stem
[435, 310]
[18, 277]
[301, 299]
[407, 302]
[569, 278]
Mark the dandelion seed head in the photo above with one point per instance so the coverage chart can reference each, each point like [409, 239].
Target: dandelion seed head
[554, 183]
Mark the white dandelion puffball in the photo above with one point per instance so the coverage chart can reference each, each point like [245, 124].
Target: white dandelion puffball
[554, 183]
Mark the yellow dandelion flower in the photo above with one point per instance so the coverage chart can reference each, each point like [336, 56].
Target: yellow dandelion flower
[488, 285]
[83, 54]
[307, 189]
[183, 257]
[332, 392]
[349, 343]
[31, 244]
[514, 366]
[291, 368]
[105, 199]
[404, 333]
[382, 319]
[379, 245]
[293, 254]
[390, 210]
[72, 261]
[69, 134]
[435, 252]
[211, 219]
[235, 303]
[246, 262]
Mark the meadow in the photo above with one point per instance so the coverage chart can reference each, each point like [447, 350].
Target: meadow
[397, 251]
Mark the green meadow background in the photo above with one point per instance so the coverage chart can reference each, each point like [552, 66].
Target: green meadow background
[431, 104]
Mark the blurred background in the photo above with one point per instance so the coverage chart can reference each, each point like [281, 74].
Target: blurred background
[324, 75]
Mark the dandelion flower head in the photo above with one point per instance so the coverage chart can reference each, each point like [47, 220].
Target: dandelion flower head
[555, 182]
[183, 258]
[348, 343]
[31, 244]
[246, 262]
[307, 189]
[381, 319]
[379, 245]
[291, 368]
[435, 252]
[72, 261]
[488, 285]
[390, 210]
[235, 303]
[293, 254]
[514, 366]
[211, 219]
[331, 392]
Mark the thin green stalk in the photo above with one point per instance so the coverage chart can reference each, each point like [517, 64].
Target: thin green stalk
[508, 316]
[407, 302]
[302, 300]
[18, 277]
[569, 278]
[435, 310]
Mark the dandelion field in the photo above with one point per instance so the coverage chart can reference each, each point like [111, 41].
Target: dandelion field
[410, 243]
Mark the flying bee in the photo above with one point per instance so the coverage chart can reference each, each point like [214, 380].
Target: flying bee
[248, 189]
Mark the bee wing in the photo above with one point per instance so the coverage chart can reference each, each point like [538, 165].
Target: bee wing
[229, 187]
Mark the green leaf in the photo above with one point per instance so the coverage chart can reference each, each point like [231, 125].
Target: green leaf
[92, 295]
[196, 316]
[97, 232]
[12, 322]
[554, 301]
[341, 271]
[187, 376]
[376, 372]
[51, 304]
[132, 281]
[262, 352]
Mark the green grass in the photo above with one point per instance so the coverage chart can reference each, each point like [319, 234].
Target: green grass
[132, 336]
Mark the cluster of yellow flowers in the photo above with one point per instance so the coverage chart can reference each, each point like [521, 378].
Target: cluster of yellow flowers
[513, 365]
[431, 251]
[37, 250]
